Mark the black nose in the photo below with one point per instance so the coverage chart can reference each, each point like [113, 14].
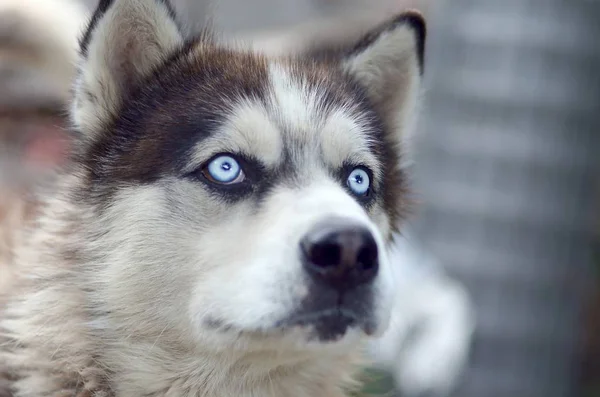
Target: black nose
[340, 254]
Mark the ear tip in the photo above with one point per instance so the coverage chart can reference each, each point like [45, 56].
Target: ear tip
[103, 7]
[415, 20]
[86, 35]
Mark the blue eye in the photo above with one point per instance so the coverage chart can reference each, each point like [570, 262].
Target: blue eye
[359, 182]
[224, 169]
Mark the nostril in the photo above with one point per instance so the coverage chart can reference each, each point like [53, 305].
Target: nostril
[325, 255]
[367, 258]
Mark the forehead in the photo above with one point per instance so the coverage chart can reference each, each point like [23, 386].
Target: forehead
[208, 100]
[302, 112]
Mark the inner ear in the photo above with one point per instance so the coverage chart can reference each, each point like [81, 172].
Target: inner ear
[102, 8]
[125, 41]
[388, 63]
[401, 37]
[389, 60]
[128, 38]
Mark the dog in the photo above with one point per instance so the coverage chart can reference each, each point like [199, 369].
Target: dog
[223, 224]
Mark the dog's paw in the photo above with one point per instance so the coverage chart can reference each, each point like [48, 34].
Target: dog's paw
[429, 372]
[435, 350]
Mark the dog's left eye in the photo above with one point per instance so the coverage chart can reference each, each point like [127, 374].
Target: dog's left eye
[359, 181]
[224, 169]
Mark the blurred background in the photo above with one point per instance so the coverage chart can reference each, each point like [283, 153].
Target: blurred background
[506, 170]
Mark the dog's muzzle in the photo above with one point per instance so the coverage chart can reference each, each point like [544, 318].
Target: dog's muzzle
[341, 260]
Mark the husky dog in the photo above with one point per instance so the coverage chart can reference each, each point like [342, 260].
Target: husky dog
[222, 228]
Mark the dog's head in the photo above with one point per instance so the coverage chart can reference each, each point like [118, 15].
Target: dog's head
[240, 194]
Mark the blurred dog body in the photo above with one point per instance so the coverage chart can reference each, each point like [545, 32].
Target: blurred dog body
[427, 345]
[38, 54]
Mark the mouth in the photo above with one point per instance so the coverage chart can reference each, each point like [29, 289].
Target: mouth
[325, 326]
[325, 316]
[329, 325]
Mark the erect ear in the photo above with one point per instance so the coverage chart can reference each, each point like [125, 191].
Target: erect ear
[124, 42]
[388, 63]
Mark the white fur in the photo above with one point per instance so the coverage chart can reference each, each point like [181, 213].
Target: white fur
[343, 133]
[248, 130]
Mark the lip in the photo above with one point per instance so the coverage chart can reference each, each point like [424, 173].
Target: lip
[325, 325]
[329, 324]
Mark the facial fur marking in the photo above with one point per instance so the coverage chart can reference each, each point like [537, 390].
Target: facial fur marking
[293, 104]
[312, 111]
[247, 129]
[347, 136]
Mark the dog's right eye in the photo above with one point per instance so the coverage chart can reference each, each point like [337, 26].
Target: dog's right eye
[224, 169]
